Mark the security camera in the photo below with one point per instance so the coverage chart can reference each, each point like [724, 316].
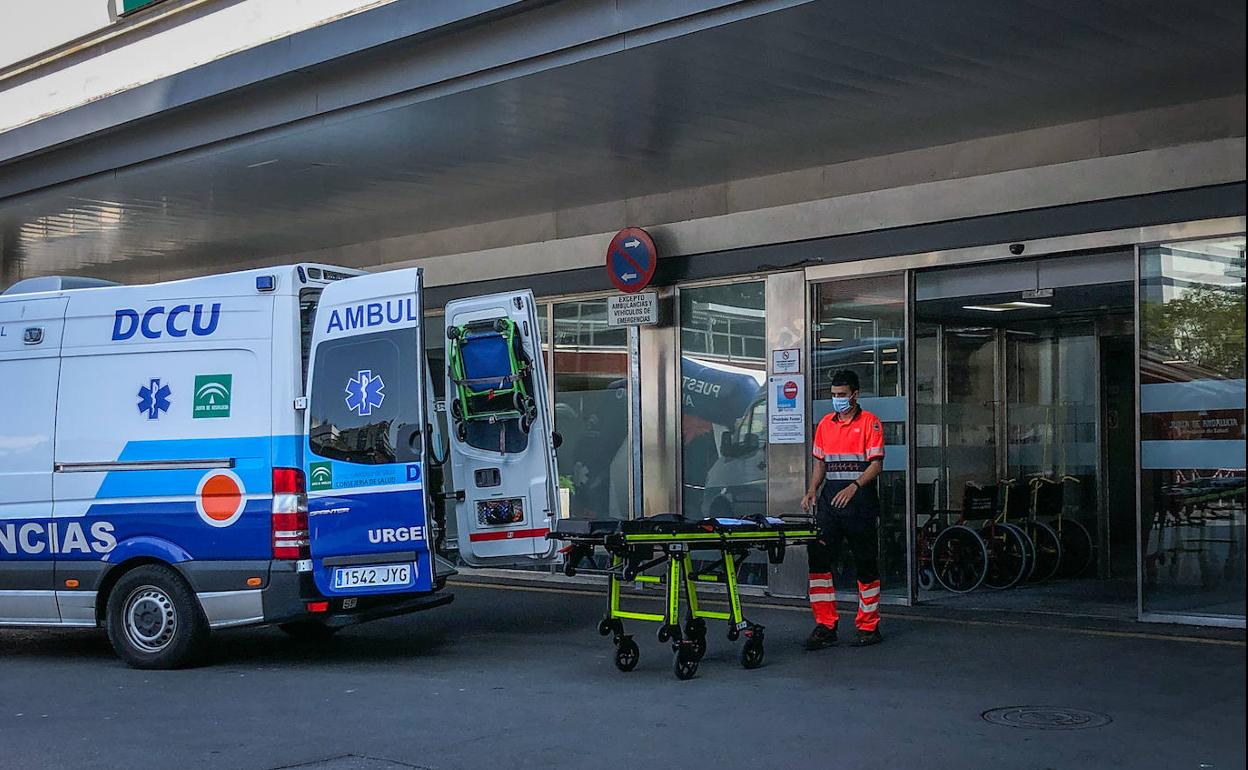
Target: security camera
[1017, 248]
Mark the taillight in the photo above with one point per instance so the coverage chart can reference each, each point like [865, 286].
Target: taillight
[290, 515]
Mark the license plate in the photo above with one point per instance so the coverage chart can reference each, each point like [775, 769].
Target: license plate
[376, 575]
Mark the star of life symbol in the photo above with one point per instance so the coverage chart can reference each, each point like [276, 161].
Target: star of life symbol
[365, 392]
[154, 398]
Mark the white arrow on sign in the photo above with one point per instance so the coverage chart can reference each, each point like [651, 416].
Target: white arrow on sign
[627, 276]
[634, 243]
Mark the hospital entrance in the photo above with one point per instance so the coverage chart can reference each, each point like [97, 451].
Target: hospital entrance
[1024, 403]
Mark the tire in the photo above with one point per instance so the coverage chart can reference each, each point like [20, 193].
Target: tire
[752, 653]
[627, 653]
[1077, 547]
[309, 630]
[959, 559]
[1048, 550]
[927, 578]
[1007, 556]
[1029, 550]
[154, 620]
[684, 663]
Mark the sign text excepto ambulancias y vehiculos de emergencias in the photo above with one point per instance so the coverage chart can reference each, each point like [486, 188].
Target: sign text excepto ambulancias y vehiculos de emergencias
[640, 309]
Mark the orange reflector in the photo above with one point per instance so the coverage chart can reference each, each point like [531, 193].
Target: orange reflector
[318, 606]
[71, 583]
[253, 582]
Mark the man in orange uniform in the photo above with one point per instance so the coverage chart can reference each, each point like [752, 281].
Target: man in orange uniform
[849, 454]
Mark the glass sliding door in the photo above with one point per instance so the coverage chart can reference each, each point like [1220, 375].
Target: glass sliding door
[859, 325]
[1191, 412]
[1024, 433]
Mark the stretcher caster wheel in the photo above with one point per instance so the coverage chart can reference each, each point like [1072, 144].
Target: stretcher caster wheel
[685, 664]
[698, 644]
[608, 626]
[669, 633]
[500, 325]
[752, 653]
[734, 634]
[627, 654]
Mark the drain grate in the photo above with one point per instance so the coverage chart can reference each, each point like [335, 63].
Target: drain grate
[1045, 718]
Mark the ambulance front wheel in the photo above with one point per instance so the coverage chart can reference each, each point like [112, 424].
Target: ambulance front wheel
[154, 620]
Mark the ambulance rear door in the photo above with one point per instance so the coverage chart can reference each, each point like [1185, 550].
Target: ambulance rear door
[366, 432]
[501, 432]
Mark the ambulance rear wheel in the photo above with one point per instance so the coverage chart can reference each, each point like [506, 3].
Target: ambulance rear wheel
[154, 620]
[308, 630]
[627, 653]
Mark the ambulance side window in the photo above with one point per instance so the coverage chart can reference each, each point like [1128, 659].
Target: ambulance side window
[307, 321]
[364, 405]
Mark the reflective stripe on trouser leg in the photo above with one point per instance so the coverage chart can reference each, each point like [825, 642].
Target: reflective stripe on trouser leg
[868, 606]
[823, 598]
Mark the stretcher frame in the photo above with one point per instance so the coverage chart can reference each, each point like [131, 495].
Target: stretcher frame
[511, 388]
[633, 554]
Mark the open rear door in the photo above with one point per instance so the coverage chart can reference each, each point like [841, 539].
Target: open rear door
[502, 445]
[366, 423]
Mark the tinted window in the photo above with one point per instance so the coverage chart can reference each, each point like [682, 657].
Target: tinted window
[307, 318]
[365, 393]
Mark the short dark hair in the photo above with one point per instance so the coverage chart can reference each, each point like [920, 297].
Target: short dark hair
[845, 377]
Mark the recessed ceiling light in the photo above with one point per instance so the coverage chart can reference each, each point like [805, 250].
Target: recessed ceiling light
[986, 308]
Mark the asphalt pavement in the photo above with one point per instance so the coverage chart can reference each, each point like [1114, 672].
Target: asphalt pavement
[511, 677]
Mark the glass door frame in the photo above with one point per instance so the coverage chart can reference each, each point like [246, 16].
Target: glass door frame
[909, 597]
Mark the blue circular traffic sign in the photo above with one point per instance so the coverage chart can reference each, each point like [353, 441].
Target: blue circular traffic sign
[631, 259]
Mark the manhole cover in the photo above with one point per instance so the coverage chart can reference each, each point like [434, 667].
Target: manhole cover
[1045, 718]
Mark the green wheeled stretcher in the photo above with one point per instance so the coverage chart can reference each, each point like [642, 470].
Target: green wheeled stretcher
[491, 374]
[667, 540]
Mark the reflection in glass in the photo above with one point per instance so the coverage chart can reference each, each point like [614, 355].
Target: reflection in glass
[591, 409]
[859, 325]
[1192, 427]
[723, 403]
[723, 425]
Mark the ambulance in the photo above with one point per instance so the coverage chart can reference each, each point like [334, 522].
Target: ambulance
[260, 447]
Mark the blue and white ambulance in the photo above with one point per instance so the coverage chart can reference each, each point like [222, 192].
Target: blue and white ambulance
[249, 448]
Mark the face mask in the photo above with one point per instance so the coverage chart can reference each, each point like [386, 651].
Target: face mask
[841, 405]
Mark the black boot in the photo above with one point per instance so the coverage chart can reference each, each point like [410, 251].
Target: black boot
[821, 637]
[868, 638]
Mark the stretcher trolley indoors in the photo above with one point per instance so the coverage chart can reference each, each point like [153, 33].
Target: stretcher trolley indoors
[667, 541]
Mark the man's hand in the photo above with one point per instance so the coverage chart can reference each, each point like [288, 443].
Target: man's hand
[808, 501]
[844, 496]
